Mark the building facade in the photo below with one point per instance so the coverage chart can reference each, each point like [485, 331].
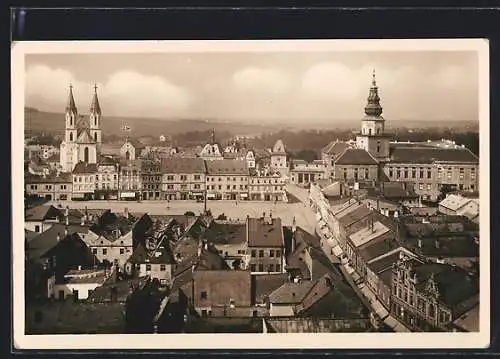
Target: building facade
[227, 179]
[151, 179]
[183, 178]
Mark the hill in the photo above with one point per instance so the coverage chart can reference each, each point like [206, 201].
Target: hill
[53, 123]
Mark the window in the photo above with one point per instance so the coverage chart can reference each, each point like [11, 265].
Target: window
[421, 175]
[183, 177]
[228, 186]
[254, 253]
[37, 228]
[398, 173]
[420, 186]
[196, 177]
[122, 250]
[104, 252]
[278, 268]
[391, 172]
[148, 267]
[271, 267]
[278, 253]
[429, 173]
[429, 187]
[261, 267]
[261, 253]
[366, 173]
[462, 171]
[94, 250]
[252, 267]
[163, 267]
[204, 312]
[220, 187]
[271, 253]
[432, 310]
[234, 186]
[203, 295]
[406, 172]
[170, 178]
[345, 173]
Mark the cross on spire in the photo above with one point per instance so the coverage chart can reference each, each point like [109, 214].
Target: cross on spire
[95, 87]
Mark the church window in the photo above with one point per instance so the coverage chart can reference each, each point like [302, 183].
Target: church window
[378, 145]
[71, 136]
[86, 154]
[127, 155]
[432, 310]
[95, 136]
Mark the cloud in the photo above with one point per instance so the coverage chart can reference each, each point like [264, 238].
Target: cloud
[125, 93]
[264, 80]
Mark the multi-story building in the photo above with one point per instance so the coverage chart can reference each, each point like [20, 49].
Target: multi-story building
[84, 180]
[130, 179]
[303, 173]
[430, 296]
[279, 158]
[265, 245]
[183, 178]
[57, 187]
[267, 188]
[432, 169]
[227, 179]
[107, 180]
[151, 179]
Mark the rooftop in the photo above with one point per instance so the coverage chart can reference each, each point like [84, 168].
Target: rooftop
[265, 232]
[355, 156]
[83, 167]
[225, 233]
[227, 167]
[182, 165]
[265, 284]
[425, 154]
[291, 293]
[42, 213]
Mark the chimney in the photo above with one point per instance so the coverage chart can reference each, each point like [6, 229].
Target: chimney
[419, 243]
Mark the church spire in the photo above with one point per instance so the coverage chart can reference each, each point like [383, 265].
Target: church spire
[212, 137]
[70, 105]
[95, 108]
[373, 107]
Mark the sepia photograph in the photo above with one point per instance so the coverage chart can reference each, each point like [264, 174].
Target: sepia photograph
[312, 193]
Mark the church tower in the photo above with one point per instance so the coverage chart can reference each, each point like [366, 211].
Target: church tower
[373, 137]
[95, 120]
[71, 115]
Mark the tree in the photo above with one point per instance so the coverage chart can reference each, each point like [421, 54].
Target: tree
[307, 155]
[189, 214]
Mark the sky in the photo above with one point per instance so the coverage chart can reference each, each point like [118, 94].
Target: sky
[269, 87]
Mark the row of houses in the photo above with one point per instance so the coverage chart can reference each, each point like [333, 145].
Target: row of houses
[267, 269]
[165, 179]
[418, 272]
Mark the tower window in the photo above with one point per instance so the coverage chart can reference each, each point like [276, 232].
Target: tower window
[370, 131]
[71, 136]
[378, 131]
[95, 136]
[86, 154]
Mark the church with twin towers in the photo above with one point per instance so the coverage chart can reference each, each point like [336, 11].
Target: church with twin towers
[82, 134]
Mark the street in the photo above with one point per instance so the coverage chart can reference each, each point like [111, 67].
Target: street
[233, 210]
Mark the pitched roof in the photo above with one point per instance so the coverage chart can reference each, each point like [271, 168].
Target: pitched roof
[335, 147]
[355, 156]
[84, 167]
[182, 165]
[262, 234]
[279, 147]
[122, 288]
[159, 255]
[225, 233]
[431, 155]
[454, 202]
[84, 137]
[291, 293]
[237, 286]
[42, 213]
[455, 285]
[227, 167]
[265, 284]
[62, 178]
